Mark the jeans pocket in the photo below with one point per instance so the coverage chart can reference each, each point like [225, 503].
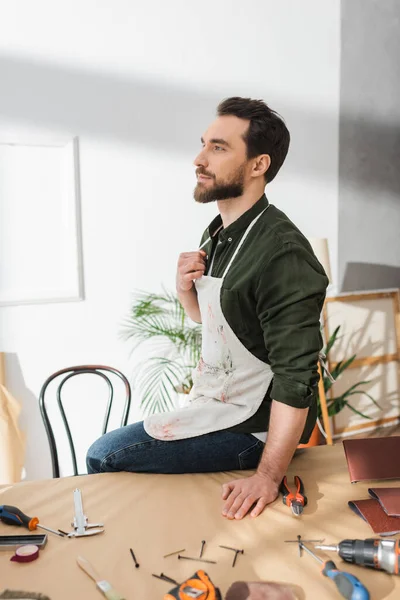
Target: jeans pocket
[248, 459]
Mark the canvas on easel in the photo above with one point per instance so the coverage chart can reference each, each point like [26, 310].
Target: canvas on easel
[370, 329]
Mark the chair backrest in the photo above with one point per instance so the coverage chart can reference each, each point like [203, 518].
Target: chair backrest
[99, 370]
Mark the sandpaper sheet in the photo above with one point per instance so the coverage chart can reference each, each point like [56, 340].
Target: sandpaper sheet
[373, 458]
[388, 498]
[371, 511]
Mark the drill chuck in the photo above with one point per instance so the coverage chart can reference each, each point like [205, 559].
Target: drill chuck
[376, 554]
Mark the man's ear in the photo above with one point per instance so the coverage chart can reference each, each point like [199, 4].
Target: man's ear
[261, 165]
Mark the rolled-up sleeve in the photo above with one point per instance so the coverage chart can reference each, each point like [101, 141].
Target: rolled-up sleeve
[290, 296]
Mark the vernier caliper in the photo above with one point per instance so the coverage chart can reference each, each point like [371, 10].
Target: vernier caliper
[80, 524]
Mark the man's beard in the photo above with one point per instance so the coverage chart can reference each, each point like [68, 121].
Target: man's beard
[221, 190]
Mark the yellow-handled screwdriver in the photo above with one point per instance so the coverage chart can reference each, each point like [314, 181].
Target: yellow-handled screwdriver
[11, 515]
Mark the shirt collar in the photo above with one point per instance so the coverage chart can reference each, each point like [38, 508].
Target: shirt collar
[241, 222]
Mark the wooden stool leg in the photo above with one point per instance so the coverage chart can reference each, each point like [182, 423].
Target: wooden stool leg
[324, 407]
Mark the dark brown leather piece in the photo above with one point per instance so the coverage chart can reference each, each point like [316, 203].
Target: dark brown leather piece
[259, 590]
[373, 458]
[388, 498]
[372, 512]
[238, 591]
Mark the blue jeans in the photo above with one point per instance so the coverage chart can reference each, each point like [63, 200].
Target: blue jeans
[130, 448]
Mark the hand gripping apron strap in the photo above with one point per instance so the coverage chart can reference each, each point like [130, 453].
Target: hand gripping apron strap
[229, 382]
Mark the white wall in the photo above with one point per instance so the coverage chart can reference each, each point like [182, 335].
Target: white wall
[139, 83]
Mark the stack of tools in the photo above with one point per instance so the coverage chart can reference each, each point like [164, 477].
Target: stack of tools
[11, 515]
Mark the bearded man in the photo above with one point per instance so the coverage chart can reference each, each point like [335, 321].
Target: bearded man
[257, 288]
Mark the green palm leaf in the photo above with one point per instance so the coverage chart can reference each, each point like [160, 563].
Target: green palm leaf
[158, 379]
[331, 340]
[336, 404]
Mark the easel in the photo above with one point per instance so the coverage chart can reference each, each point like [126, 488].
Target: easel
[392, 298]
[2, 370]
[320, 247]
[324, 407]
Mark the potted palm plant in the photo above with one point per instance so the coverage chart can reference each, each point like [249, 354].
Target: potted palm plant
[159, 321]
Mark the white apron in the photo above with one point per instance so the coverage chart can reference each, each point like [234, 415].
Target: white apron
[229, 383]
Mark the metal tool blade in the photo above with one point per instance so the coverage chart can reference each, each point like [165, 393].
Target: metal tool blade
[85, 532]
[80, 521]
[297, 508]
[192, 592]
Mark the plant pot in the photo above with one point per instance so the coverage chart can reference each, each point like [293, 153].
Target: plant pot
[314, 440]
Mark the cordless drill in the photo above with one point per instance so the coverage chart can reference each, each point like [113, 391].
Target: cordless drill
[383, 555]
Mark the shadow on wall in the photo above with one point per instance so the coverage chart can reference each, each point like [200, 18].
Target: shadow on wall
[162, 115]
[30, 421]
[367, 276]
[368, 148]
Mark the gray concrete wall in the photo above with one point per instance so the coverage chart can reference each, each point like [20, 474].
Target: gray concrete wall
[369, 148]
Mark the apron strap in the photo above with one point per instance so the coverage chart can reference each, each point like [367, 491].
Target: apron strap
[246, 233]
[322, 358]
[204, 243]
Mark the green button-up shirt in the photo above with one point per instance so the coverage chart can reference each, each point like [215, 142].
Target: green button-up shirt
[272, 297]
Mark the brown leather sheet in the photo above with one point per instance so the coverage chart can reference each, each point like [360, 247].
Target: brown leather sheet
[158, 514]
[373, 458]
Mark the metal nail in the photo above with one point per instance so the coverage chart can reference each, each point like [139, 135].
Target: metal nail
[166, 578]
[306, 541]
[236, 553]
[212, 562]
[51, 530]
[202, 547]
[63, 532]
[158, 576]
[176, 552]
[228, 548]
[134, 558]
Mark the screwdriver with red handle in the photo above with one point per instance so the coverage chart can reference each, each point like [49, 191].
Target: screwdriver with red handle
[11, 515]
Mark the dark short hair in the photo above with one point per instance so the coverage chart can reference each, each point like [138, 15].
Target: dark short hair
[267, 132]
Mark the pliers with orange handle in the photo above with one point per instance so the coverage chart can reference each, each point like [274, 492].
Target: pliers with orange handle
[199, 586]
[296, 501]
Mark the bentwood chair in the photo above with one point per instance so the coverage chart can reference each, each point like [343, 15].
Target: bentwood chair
[110, 376]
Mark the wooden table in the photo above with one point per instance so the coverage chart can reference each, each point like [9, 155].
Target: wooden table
[158, 514]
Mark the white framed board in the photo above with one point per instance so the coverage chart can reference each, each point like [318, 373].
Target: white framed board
[40, 222]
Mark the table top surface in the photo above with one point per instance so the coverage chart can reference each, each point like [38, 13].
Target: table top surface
[158, 514]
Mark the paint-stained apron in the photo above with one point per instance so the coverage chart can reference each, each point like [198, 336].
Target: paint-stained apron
[229, 383]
